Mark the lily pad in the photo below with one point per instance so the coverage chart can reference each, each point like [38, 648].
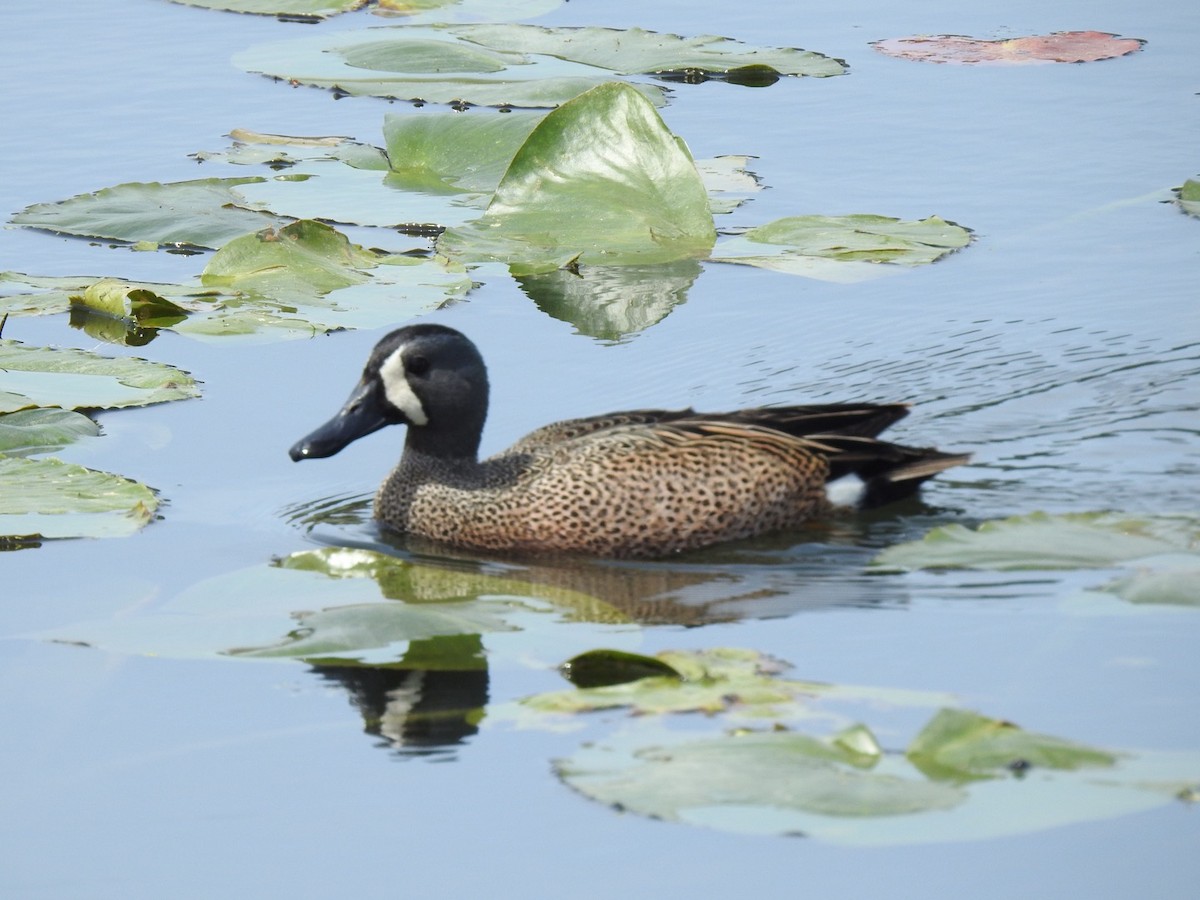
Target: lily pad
[28, 431]
[281, 151]
[787, 783]
[1189, 197]
[731, 680]
[512, 65]
[48, 498]
[301, 9]
[960, 745]
[600, 180]
[279, 285]
[353, 606]
[1043, 541]
[1060, 47]
[197, 213]
[842, 248]
[78, 379]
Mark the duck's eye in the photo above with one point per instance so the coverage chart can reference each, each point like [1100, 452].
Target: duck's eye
[416, 365]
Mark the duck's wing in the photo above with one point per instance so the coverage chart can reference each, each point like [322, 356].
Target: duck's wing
[866, 420]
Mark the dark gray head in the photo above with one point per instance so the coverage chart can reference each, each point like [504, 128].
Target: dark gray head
[428, 377]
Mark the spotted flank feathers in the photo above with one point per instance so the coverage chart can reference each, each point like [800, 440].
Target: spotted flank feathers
[642, 483]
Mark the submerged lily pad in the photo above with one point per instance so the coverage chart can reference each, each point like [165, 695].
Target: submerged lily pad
[332, 604]
[1043, 541]
[600, 180]
[515, 65]
[78, 379]
[1061, 47]
[47, 498]
[197, 213]
[842, 248]
[38, 430]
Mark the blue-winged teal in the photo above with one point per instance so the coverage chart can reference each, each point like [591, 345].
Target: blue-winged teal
[639, 483]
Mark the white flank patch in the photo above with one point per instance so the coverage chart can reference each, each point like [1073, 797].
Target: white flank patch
[846, 491]
[398, 391]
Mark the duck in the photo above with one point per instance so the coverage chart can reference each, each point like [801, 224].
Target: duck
[634, 484]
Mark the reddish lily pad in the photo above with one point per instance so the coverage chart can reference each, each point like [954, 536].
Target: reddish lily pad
[1062, 46]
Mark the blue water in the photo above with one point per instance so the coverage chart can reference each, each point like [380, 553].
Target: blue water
[1063, 349]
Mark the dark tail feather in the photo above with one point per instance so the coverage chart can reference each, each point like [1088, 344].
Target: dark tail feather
[889, 472]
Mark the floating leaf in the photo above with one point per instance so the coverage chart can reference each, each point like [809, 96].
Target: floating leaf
[47, 498]
[597, 668]
[42, 430]
[1043, 541]
[515, 65]
[728, 182]
[712, 681]
[301, 9]
[281, 151]
[765, 772]
[600, 180]
[78, 379]
[1063, 46]
[1189, 197]
[786, 783]
[1172, 580]
[958, 744]
[451, 152]
[332, 603]
[842, 248]
[194, 213]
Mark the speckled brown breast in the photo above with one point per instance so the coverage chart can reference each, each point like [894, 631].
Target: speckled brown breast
[625, 491]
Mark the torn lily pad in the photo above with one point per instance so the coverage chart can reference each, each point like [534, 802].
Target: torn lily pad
[842, 248]
[515, 65]
[79, 379]
[197, 213]
[47, 498]
[600, 181]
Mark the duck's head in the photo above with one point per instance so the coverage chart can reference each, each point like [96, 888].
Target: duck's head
[428, 377]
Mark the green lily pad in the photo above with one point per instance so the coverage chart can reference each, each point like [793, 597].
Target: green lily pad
[78, 379]
[1043, 541]
[960, 745]
[777, 771]
[600, 180]
[279, 285]
[305, 9]
[724, 680]
[1172, 580]
[598, 668]
[842, 248]
[197, 213]
[281, 151]
[786, 783]
[1189, 197]
[515, 65]
[38, 430]
[632, 51]
[48, 498]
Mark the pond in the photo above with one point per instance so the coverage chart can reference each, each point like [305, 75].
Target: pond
[156, 743]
